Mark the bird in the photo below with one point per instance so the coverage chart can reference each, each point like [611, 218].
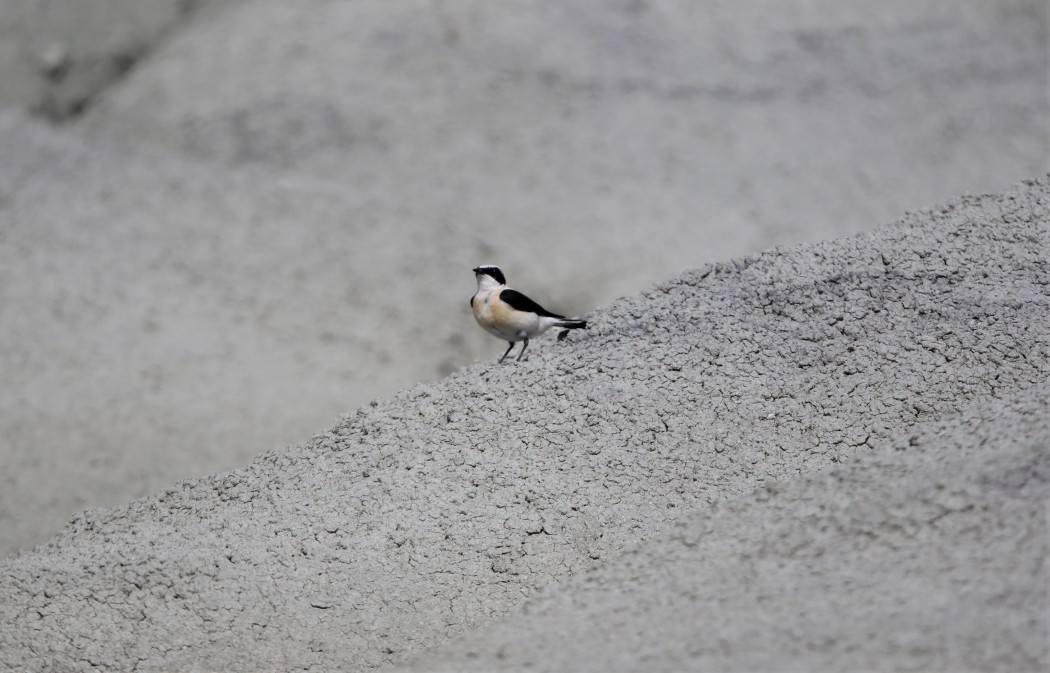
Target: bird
[509, 315]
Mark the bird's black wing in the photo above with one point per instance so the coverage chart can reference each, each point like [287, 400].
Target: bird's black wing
[520, 302]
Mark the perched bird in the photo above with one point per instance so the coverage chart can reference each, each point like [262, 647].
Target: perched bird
[509, 315]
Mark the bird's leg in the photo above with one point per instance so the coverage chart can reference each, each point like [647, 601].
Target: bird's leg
[523, 347]
[506, 353]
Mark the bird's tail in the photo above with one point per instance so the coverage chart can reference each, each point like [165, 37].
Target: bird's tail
[568, 325]
[572, 324]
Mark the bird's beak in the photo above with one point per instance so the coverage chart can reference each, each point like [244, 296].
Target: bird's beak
[476, 269]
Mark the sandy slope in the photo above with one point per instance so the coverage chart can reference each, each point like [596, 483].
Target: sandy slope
[199, 269]
[421, 518]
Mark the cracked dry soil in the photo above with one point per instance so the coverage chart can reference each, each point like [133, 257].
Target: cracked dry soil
[420, 518]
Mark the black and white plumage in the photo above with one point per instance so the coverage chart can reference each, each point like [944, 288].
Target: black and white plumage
[509, 315]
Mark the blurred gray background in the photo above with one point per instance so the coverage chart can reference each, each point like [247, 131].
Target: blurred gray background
[225, 224]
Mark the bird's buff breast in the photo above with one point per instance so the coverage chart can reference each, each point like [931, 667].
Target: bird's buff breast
[501, 321]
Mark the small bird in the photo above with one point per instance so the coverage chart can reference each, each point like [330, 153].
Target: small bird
[509, 315]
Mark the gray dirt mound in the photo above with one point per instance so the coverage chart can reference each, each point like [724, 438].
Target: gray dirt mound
[419, 518]
[936, 542]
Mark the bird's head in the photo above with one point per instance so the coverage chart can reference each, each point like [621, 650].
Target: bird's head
[488, 271]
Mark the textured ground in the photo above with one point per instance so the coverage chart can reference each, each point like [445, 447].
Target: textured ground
[929, 553]
[835, 455]
[825, 457]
